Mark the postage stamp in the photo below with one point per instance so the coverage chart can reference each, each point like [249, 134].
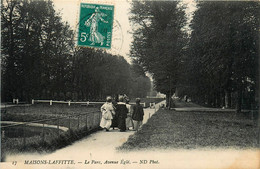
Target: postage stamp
[95, 25]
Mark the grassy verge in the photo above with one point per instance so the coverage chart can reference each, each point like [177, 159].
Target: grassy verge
[49, 145]
[170, 129]
[80, 126]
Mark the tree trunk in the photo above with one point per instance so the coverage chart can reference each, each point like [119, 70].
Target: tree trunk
[168, 99]
[227, 99]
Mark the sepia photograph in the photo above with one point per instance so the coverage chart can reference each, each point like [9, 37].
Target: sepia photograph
[148, 84]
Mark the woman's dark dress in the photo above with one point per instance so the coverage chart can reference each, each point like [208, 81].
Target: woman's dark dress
[121, 112]
[115, 119]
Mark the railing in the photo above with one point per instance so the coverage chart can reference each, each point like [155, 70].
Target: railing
[49, 129]
[70, 102]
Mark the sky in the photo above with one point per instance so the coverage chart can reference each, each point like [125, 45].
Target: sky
[69, 10]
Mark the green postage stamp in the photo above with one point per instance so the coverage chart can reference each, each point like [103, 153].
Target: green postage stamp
[95, 25]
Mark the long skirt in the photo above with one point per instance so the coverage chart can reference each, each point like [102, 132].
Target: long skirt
[105, 123]
[121, 124]
[114, 122]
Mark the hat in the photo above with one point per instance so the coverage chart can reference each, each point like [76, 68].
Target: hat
[137, 100]
[109, 99]
[121, 98]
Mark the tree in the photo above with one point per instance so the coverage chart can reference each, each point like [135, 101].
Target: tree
[36, 45]
[159, 40]
[39, 60]
[223, 52]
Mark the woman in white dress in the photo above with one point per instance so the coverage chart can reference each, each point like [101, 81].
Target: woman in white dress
[108, 111]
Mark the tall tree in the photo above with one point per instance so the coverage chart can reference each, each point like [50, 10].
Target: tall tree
[35, 46]
[159, 40]
[223, 52]
[39, 60]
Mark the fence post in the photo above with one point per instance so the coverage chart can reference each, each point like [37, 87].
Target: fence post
[3, 134]
[32, 101]
[50, 102]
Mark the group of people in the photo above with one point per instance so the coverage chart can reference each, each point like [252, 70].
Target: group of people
[121, 114]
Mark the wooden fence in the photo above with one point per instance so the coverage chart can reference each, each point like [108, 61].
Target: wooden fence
[70, 102]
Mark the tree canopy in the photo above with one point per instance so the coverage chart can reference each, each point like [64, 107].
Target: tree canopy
[159, 40]
[40, 61]
[223, 53]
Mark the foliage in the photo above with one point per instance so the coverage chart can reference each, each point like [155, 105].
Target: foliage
[39, 60]
[159, 40]
[223, 52]
[36, 45]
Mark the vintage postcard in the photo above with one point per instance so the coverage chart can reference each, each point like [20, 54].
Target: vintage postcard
[130, 84]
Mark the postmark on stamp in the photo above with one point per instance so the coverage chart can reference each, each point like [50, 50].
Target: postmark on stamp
[95, 25]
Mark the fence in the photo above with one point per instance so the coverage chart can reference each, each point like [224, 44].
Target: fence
[70, 102]
[23, 133]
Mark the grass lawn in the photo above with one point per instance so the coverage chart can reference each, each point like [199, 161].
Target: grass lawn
[189, 130]
[45, 111]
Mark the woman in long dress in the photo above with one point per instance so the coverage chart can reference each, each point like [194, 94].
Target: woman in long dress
[108, 111]
[114, 120]
[121, 111]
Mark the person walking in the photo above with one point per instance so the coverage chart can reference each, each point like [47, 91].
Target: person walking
[107, 111]
[138, 114]
[128, 120]
[121, 111]
[115, 119]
